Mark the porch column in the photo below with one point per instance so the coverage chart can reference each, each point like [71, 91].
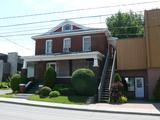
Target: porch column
[24, 69]
[95, 63]
[24, 65]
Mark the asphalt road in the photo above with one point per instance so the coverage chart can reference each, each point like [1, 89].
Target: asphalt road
[22, 112]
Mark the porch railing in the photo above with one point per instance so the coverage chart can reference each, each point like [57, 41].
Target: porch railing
[112, 73]
[103, 76]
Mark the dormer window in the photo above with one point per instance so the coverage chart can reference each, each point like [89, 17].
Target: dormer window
[67, 27]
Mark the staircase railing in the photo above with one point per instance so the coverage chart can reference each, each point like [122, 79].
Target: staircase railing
[112, 72]
[103, 76]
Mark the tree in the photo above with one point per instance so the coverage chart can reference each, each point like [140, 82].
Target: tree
[125, 25]
[50, 77]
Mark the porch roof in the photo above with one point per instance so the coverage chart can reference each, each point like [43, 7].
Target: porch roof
[70, 56]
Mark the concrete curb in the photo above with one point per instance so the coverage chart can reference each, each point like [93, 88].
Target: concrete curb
[80, 109]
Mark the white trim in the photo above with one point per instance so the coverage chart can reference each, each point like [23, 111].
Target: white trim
[83, 43]
[72, 33]
[46, 52]
[72, 56]
[67, 24]
[65, 39]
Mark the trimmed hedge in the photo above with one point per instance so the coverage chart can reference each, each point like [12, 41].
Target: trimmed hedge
[84, 82]
[15, 81]
[50, 77]
[54, 94]
[44, 92]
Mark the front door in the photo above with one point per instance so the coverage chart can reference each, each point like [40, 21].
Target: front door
[139, 87]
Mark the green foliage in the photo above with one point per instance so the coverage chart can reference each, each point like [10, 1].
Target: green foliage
[125, 25]
[44, 92]
[50, 77]
[64, 89]
[117, 78]
[156, 92]
[15, 81]
[54, 94]
[122, 99]
[84, 82]
[4, 85]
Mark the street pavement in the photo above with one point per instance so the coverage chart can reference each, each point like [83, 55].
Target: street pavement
[21, 112]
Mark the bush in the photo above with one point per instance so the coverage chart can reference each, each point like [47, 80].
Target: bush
[15, 81]
[156, 92]
[50, 77]
[4, 85]
[67, 91]
[122, 99]
[117, 78]
[54, 94]
[84, 82]
[44, 92]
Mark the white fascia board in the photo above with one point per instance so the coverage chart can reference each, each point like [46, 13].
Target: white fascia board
[72, 33]
[73, 56]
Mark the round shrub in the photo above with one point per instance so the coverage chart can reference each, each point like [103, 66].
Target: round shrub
[15, 81]
[44, 91]
[84, 82]
[54, 94]
[50, 77]
[122, 99]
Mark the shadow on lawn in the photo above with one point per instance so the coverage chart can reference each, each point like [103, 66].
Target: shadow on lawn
[78, 99]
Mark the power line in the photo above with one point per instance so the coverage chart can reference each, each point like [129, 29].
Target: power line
[74, 10]
[25, 34]
[72, 18]
[16, 43]
[47, 28]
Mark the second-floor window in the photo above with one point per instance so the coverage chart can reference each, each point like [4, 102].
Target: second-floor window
[48, 49]
[66, 44]
[87, 43]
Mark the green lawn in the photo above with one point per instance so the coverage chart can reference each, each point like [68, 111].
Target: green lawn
[61, 99]
[8, 95]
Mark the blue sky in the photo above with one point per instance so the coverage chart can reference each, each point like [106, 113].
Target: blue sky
[26, 7]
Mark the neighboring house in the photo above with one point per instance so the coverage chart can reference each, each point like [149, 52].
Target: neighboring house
[9, 65]
[138, 59]
[70, 46]
[67, 47]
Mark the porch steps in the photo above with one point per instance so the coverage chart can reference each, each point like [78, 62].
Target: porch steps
[105, 92]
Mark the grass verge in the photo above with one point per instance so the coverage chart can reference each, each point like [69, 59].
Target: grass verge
[7, 95]
[61, 99]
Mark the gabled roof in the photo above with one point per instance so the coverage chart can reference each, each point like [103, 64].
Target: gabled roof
[80, 31]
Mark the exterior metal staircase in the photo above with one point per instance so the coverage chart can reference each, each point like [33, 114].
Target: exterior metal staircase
[104, 88]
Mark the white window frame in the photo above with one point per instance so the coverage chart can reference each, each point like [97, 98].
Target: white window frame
[51, 63]
[84, 37]
[64, 43]
[67, 30]
[46, 47]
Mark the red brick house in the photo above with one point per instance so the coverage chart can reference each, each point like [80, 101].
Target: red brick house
[67, 47]
[70, 46]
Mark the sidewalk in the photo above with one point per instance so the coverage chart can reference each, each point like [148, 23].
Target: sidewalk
[127, 108]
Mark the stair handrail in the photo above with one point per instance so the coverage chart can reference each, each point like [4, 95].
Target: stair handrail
[101, 84]
[112, 72]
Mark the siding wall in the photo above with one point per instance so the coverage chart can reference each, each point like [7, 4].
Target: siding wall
[131, 54]
[152, 30]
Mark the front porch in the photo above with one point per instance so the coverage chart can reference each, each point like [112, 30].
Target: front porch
[64, 64]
